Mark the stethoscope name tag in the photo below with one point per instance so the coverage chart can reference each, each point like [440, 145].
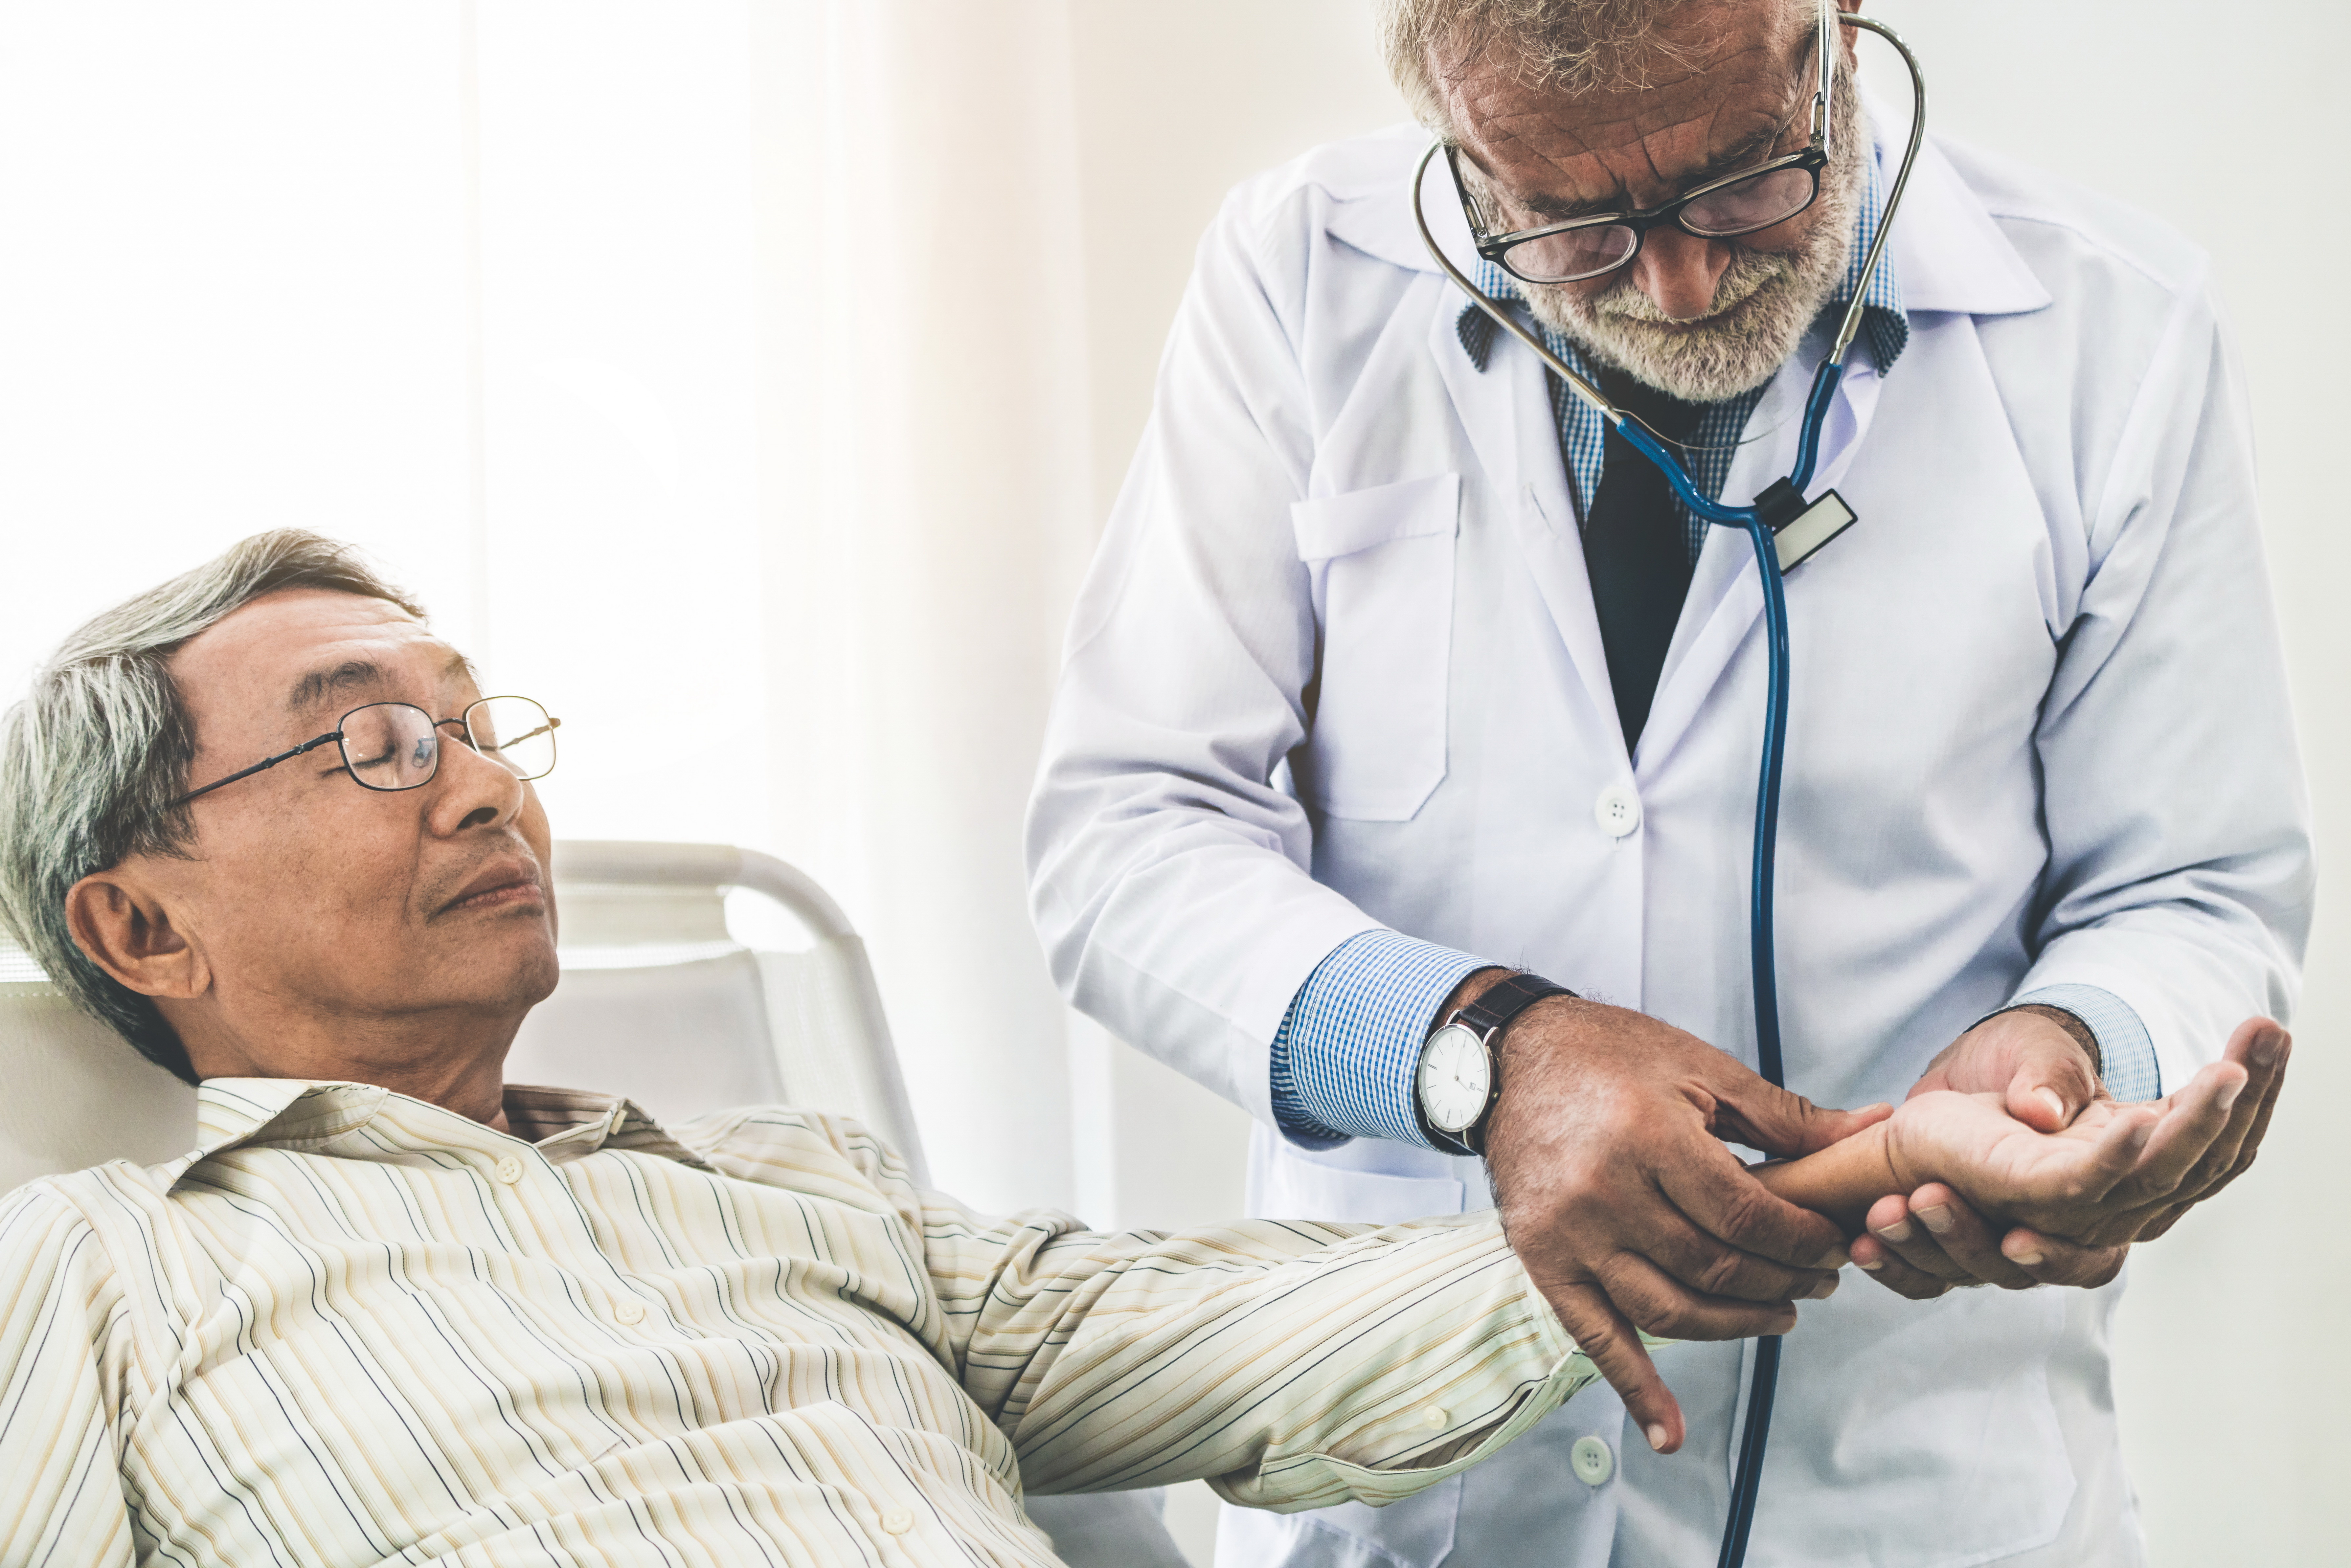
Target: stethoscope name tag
[1802, 537]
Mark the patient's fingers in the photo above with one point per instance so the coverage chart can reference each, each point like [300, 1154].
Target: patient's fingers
[1602, 1333]
[1889, 1269]
[1946, 1237]
[2053, 1260]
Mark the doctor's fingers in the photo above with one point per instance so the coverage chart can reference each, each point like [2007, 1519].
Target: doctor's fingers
[1722, 1198]
[2190, 1139]
[2201, 1184]
[1711, 1266]
[2263, 1049]
[1614, 1347]
[1662, 1305]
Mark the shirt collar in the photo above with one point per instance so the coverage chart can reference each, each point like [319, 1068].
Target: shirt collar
[366, 1121]
[1886, 326]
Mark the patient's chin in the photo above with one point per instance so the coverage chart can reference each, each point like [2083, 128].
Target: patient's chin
[535, 969]
[502, 964]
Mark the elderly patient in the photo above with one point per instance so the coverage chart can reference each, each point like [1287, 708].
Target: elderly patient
[392, 1307]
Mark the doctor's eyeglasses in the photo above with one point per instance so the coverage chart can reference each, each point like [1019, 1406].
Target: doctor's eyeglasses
[397, 746]
[1741, 204]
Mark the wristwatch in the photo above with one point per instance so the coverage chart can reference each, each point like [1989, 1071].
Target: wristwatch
[1460, 1072]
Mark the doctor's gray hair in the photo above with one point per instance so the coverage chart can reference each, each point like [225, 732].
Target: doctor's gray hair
[92, 758]
[1568, 47]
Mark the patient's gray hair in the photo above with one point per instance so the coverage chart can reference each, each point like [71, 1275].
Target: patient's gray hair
[92, 757]
[1568, 47]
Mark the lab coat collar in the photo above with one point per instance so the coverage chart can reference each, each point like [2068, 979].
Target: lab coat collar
[1947, 251]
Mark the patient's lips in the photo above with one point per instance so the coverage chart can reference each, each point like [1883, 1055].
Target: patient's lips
[506, 881]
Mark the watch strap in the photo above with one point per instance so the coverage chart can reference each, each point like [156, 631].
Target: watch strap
[1486, 1018]
[1507, 1000]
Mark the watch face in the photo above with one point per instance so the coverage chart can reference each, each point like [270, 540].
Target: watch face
[1455, 1078]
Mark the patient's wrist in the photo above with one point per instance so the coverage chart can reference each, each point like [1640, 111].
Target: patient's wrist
[1841, 1181]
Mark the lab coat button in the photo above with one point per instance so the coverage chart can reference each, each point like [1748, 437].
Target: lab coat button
[1590, 1461]
[629, 1311]
[510, 1170]
[1618, 811]
[898, 1521]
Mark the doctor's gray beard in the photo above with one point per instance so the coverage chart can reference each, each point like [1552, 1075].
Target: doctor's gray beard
[1762, 306]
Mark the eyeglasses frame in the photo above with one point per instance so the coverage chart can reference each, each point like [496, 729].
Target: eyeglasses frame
[462, 721]
[1811, 159]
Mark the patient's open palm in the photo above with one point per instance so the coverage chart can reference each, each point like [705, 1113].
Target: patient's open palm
[2099, 1181]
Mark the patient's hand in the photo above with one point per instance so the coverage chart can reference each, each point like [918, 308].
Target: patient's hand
[2087, 1181]
[2078, 1197]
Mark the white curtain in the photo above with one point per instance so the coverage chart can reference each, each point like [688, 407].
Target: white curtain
[716, 371]
[925, 513]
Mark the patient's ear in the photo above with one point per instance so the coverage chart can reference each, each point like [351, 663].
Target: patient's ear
[123, 926]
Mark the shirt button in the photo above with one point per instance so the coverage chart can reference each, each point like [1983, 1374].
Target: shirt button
[1434, 1416]
[1618, 811]
[510, 1170]
[898, 1521]
[1590, 1461]
[629, 1311]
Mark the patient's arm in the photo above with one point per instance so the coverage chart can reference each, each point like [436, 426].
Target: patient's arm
[2101, 1180]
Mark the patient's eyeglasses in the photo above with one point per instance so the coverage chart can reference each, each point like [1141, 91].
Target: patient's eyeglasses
[397, 746]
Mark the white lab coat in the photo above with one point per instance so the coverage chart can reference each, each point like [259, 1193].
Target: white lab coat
[1337, 666]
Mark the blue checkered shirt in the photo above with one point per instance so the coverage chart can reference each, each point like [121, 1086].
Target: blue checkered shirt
[1345, 1056]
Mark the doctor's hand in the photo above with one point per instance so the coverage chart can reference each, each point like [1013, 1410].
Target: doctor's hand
[1606, 1152]
[1932, 1240]
[2043, 1061]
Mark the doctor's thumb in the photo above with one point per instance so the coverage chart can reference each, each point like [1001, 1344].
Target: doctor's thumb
[1785, 1125]
[2047, 1094]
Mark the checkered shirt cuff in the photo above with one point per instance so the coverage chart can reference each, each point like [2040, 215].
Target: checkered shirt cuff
[1345, 1057]
[2125, 1051]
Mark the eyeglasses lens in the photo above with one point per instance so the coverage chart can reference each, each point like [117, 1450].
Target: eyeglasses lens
[1745, 206]
[1571, 253]
[514, 732]
[390, 745]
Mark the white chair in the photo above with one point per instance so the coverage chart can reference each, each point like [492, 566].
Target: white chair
[658, 1002]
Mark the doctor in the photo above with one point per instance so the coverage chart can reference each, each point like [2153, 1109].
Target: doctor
[1397, 676]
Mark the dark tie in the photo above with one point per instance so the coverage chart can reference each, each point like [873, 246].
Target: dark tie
[1635, 549]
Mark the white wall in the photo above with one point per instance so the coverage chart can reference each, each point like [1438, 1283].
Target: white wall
[2231, 1381]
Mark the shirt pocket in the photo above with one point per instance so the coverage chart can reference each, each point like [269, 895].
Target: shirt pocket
[1382, 562]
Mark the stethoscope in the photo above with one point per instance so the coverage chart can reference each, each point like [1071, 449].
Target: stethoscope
[1784, 528]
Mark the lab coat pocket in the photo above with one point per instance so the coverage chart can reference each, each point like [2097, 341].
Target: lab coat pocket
[1383, 569]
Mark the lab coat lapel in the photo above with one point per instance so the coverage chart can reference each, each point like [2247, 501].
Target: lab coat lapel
[1950, 257]
[1726, 598]
[1506, 409]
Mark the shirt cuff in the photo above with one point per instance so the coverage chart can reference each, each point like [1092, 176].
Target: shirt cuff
[1344, 1057]
[2125, 1051]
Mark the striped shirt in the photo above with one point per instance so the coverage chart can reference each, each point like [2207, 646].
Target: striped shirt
[354, 1328]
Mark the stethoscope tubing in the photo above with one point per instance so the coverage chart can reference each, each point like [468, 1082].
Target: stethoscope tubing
[1762, 958]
